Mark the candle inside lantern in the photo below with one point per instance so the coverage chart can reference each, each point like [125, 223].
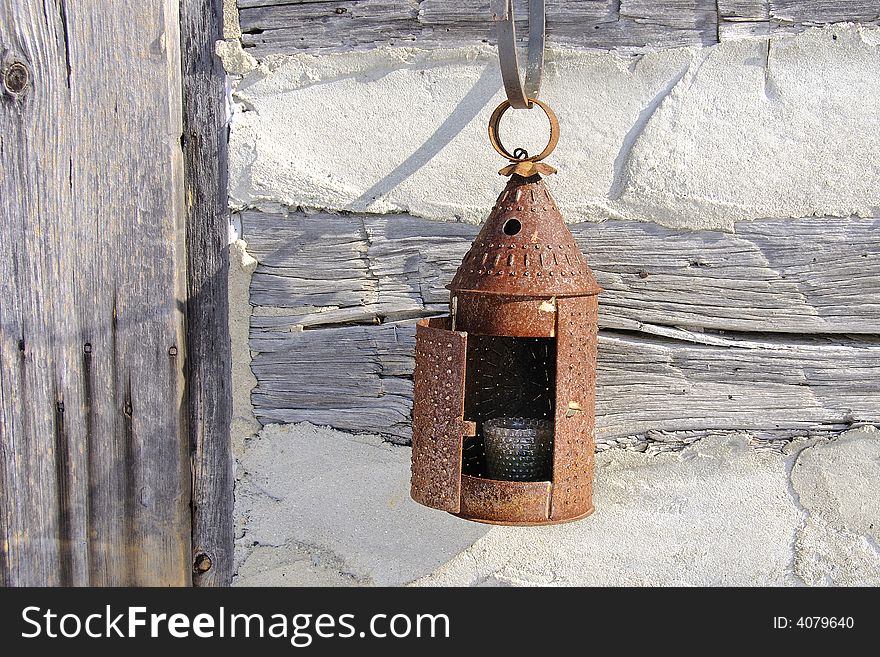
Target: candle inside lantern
[518, 449]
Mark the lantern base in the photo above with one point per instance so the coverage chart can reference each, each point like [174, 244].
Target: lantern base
[542, 523]
[513, 503]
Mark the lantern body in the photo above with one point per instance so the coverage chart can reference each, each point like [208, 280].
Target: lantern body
[520, 341]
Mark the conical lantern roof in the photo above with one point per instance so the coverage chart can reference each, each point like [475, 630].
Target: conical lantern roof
[525, 249]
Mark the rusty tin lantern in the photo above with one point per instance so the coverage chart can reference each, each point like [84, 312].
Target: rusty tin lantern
[519, 346]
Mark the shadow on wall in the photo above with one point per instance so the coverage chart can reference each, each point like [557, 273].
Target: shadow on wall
[471, 104]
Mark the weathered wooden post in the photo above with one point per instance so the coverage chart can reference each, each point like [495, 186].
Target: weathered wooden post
[95, 472]
[208, 346]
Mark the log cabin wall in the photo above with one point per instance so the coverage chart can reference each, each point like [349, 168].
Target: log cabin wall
[718, 165]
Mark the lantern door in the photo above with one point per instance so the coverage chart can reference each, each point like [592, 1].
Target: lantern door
[439, 427]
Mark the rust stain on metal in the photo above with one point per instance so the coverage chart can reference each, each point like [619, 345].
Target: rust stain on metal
[519, 502]
[574, 446]
[484, 314]
[526, 225]
[438, 409]
[524, 308]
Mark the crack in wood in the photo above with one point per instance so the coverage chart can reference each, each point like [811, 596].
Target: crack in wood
[65, 37]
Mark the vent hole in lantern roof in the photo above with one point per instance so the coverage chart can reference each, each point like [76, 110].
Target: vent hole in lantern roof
[512, 227]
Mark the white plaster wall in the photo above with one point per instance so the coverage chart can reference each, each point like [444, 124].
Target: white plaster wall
[691, 138]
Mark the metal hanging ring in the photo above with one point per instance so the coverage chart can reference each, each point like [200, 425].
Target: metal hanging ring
[495, 140]
[519, 94]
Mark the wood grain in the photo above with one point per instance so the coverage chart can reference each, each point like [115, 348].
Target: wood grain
[358, 378]
[814, 275]
[772, 329]
[287, 26]
[209, 357]
[94, 469]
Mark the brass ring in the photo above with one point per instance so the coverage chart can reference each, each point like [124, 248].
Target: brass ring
[495, 119]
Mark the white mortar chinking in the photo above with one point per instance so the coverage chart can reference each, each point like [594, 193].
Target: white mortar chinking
[706, 147]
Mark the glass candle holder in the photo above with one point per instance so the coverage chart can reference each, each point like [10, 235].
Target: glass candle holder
[518, 448]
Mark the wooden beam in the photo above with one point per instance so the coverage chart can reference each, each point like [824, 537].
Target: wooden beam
[358, 378]
[94, 455]
[289, 26]
[209, 361]
[813, 275]
[755, 330]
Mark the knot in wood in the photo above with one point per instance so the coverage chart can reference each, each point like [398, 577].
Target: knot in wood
[16, 77]
[202, 563]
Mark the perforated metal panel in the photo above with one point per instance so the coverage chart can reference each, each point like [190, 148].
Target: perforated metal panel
[438, 415]
[506, 377]
[539, 257]
[574, 442]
